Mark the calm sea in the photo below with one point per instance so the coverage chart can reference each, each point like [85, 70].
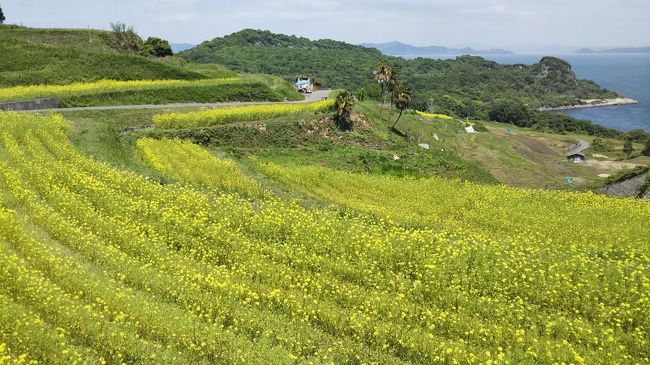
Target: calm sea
[627, 74]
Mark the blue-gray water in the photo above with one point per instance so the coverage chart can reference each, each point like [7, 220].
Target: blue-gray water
[627, 74]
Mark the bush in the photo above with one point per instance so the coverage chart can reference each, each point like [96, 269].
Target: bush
[156, 47]
[646, 149]
[124, 39]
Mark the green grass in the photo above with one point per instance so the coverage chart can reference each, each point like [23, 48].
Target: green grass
[88, 39]
[185, 94]
[212, 71]
[283, 87]
[30, 63]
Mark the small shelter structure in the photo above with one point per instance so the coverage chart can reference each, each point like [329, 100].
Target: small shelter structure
[576, 157]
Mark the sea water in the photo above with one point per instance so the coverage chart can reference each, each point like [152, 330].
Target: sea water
[627, 74]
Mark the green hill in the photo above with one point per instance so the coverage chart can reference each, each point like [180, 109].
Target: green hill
[52, 56]
[64, 56]
[471, 81]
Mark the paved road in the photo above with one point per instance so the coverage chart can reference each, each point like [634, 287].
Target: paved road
[581, 146]
[315, 96]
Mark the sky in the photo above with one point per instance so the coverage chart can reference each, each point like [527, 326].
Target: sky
[519, 25]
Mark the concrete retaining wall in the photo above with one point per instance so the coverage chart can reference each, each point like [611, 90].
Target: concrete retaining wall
[628, 188]
[31, 104]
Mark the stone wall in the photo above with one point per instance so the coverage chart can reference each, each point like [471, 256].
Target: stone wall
[31, 105]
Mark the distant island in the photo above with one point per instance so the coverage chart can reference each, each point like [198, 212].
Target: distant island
[179, 47]
[615, 50]
[403, 49]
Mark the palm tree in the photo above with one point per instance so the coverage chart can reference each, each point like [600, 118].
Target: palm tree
[383, 74]
[343, 104]
[402, 97]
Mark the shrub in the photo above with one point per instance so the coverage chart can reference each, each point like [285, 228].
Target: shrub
[124, 39]
[156, 47]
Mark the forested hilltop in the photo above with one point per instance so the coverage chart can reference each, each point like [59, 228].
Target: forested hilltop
[467, 82]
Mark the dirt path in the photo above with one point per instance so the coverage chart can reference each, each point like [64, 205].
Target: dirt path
[315, 96]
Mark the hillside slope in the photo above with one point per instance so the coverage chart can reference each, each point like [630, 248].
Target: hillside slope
[52, 56]
[471, 80]
[103, 265]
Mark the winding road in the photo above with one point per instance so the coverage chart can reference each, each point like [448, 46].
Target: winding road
[578, 148]
[315, 96]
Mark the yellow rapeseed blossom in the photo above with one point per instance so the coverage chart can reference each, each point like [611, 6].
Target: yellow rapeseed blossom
[80, 88]
[215, 116]
[188, 162]
[101, 265]
[429, 115]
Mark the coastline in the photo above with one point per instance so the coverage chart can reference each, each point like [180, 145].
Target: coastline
[592, 104]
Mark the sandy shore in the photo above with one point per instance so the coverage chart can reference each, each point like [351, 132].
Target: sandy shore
[593, 103]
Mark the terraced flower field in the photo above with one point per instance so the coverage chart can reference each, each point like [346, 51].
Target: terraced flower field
[205, 118]
[190, 163]
[103, 86]
[100, 265]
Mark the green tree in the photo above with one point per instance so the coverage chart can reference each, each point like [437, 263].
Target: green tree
[402, 97]
[628, 148]
[156, 47]
[509, 111]
[646, 149]
[2, 16]
[124, 39]
[637, 135]
[345, 100]
[598, 145]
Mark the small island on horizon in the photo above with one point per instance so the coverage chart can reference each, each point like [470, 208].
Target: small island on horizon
[614, 50]
[402, 49]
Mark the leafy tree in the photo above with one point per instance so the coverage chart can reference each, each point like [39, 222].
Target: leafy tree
[638, 135]
[124, 39]
[2, 16]
[345, 100]
[646, 149]
[402, 97]
[628, 148]
[510, 111]
[598, 145]
[156, 47]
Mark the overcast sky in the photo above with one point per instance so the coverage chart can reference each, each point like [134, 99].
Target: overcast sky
[520, 25]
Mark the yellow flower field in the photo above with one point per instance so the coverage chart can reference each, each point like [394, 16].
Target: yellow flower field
[216, 116]
[429, 115]
[101, 265]
[46, 91]
[188, 162]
